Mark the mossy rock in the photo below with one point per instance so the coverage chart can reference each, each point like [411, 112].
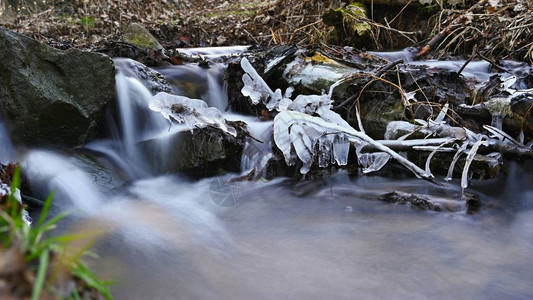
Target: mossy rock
[139, 36]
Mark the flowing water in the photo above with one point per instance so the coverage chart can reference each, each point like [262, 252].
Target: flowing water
[170, 237]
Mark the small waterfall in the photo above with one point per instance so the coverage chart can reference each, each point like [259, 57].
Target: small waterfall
[136, 119]
[134, 125]
[216, 95]
[7, 151]
[199, 83]
[256, 153]
[53, 172]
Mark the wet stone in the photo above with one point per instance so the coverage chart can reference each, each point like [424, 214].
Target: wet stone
[413, 200]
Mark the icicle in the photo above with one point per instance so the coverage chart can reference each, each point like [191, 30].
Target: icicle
[454, 161]
[359, 122]
[257, 89]
[469, 159]
[325, 149]
[428, 161]
[303, 146]
[372, 162]
[282, 138]
[341, 148]
[284, 120]
[501, 135]
[254, 85]
[442, 114]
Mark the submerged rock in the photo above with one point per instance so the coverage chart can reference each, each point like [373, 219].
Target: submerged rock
[52, 97]
[420, 201]
[468, 203]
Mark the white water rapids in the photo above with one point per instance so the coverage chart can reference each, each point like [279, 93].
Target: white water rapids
[171, 237]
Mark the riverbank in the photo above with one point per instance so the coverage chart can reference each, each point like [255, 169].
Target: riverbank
[496, 29]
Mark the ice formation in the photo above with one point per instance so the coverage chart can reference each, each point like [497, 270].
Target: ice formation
[306, 129]
[193, 112]
[310, 131]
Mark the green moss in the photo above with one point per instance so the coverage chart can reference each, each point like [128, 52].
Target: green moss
[87, 22]
[137, 35]
[352, 16]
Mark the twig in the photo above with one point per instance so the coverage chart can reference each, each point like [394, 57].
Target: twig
[379, 73]
[446, 31]
[493, 63]
[474, 53]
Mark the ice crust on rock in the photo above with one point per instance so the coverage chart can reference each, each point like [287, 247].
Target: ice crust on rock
[193, 112]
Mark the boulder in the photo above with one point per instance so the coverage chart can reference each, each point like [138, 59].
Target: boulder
[52, 97]
[135, 34]
[202, 151]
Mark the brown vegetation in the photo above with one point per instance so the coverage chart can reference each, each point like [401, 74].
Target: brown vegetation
[499, 28]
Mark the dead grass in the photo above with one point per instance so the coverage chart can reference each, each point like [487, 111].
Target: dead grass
[504, 31]
[500, 32]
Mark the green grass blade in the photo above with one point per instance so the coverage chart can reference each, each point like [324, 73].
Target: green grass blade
[85, 274]
[41, 275]
[46, 208]
[15, 183]
[75, 294]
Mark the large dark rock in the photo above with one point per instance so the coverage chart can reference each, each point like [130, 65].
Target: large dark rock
[203, 151]
[52, 97]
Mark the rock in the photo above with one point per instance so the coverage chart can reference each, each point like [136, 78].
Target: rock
[138, 36]
[473, 204]
[516, 118]
[470, 203]
[205, 151]
[422, 201]
[52, 97]
[520, 117]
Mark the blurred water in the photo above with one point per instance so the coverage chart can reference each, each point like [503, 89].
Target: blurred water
[298, 241]
[7, 151]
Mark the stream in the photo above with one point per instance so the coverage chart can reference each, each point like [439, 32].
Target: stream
[169, 236]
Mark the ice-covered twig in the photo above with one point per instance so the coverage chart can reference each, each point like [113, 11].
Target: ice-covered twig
[428, 161]
[454, 161]
[193, 112]
[315, 128]
[469, 159]
[501, 135]
[442, 114]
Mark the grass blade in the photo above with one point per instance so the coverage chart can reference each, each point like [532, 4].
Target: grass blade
[46, 208]
[41, 275]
